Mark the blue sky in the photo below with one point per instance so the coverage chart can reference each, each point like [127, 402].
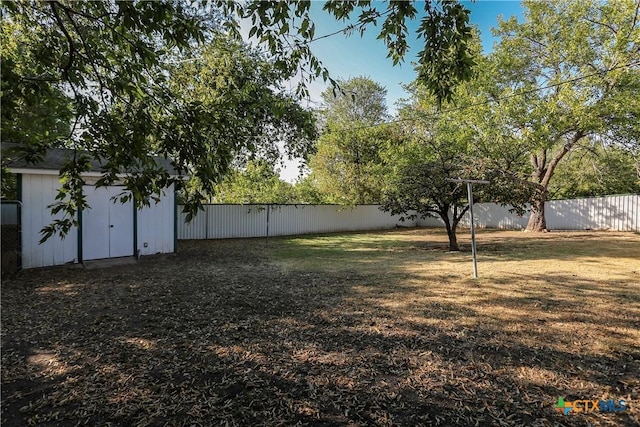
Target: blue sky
[354, 56]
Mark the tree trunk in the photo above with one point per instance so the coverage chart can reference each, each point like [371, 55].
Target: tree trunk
[451, 231]
[542, 174]
[537, 221]
[453, 240]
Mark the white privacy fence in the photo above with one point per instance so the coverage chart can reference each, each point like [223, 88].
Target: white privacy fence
[619, 213]
[615, 213]
[226, 221]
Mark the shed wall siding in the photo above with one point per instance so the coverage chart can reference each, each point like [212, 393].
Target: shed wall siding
[38, 192]
[156, 225]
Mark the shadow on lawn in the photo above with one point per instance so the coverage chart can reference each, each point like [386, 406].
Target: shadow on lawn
[217, 335]
[382, 249]
[564, 245]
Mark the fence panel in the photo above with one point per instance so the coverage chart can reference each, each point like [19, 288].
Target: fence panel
[236, 221]
[195, 229]
[615, 213]
[491, 215]
[619, 213]
[304, 219]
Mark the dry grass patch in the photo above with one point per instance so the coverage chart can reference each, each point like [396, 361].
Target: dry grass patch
[358, 329]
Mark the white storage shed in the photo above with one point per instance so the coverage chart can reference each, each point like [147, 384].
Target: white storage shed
[109, 229]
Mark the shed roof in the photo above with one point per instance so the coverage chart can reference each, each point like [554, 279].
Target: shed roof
[55, 158]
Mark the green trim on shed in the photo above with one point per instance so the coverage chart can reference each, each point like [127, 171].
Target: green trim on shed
[135, 226]
[19, 187]
[80, 259]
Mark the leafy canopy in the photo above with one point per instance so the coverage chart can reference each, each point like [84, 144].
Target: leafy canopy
[99, 69]
[600, 171]
[258, 182]
[568, 77]
[139, 80]
[441, 145]
[347, 167]
[241, 110]
[110, 79]
[287, 30]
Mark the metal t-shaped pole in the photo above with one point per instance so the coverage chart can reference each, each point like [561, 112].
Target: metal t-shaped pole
[469, 183]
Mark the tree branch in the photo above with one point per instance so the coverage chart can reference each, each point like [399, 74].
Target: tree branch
[602, 24]
[40, 79]
[457, 219]
[91, 60]
[68, 10]
[635, 19]
[559, 156]
[72, 48]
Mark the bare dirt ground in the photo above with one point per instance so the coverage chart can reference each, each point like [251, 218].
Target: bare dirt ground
[361, 329]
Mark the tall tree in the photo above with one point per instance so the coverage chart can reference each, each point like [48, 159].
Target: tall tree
[138, 86]
[258, 182]
[360, 101]
[99, 69]
[106, 67]
[347, 167]
[568, 76]
[232, 109]
[438, 147]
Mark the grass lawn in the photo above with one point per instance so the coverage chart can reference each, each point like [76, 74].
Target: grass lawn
[384, 328]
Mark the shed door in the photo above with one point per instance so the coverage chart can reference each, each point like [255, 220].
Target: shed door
[107, 227]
